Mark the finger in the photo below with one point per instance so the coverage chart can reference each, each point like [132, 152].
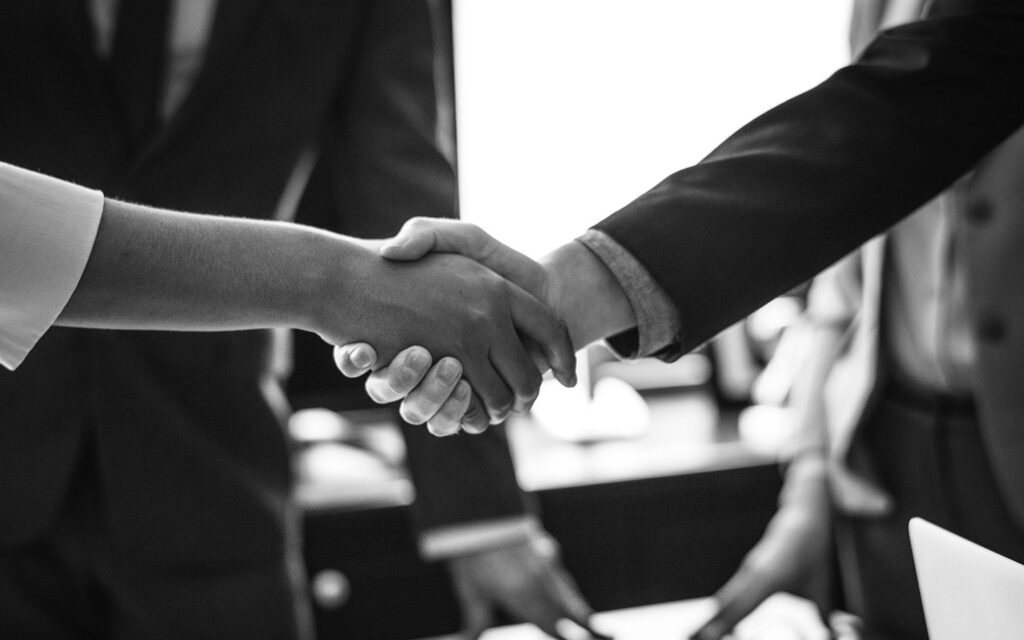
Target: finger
[536, 353]
[538, 611]
[819, 590]
[395, 381]
[492, 390]
[537, 603]
[475, 608]
[550, 627]
[430, 394]
[736, 600]
[574, 606]
[475, 419]
[353, 360]
[510, 360]
[536, 321]
[449, 418]
[566, 594]
[420, 236]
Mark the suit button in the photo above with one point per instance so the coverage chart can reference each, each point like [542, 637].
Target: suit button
[991, 328]
[331, 589]
[979, 211]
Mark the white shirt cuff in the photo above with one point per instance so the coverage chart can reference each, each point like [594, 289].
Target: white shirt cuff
[477, 537]
[658, 322]
[47, 230]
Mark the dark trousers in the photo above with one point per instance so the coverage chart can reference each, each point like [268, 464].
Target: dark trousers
[74, 583]
[930, 457]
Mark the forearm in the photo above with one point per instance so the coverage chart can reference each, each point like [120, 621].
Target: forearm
[807, 395]
[810, 180]
[158, 269]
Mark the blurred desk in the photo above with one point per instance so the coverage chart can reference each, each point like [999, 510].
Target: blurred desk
[664, 516]
[781, 617]
[685, 433]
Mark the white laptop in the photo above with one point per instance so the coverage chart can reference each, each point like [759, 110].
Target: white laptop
[968, 591]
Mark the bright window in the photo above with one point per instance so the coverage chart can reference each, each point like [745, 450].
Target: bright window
[567, 109]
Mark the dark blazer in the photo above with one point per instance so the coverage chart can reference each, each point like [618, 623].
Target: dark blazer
[186, 428]
[810, 180]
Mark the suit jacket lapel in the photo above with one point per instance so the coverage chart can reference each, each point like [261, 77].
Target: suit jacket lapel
[232, 21]
[76, 21]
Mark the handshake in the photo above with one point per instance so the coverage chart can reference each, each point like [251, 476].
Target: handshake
[460, 328]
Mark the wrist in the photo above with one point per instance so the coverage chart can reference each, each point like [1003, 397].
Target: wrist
[586, 295]
[328, 280]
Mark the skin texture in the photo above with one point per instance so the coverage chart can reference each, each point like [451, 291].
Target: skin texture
[157, 269]
[571, 280]
[541, 590]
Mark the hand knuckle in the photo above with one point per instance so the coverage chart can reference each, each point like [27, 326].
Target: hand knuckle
[531, 386]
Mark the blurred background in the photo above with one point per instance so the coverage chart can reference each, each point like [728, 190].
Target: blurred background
[565, 110]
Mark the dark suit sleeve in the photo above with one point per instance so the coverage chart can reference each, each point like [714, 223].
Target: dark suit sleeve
[387, 157]
[808, 181]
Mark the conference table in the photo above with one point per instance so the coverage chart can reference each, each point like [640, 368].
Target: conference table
[781, 617]
[650, 520]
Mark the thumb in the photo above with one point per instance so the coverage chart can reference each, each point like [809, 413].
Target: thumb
[475, 608]
[417, 238]
[353, 360]
[420, 236]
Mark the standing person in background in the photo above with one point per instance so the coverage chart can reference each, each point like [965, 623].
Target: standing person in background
[912, 379]
[145, 475]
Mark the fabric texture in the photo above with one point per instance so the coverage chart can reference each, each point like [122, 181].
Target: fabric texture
[185, 430]
[807, 182]
[47, 229]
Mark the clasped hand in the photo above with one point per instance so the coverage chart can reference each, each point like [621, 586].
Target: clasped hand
[482, 315]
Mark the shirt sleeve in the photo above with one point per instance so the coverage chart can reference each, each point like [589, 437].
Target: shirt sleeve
[47, 230]
[478, 537]
[658, 325]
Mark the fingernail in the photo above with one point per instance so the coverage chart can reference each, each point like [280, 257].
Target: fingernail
[392, 245]
[449, 371]
[418, 360]
[441, 433]
[360, 358]
[473, 429]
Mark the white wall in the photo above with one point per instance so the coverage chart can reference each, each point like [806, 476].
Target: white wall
[567, 109]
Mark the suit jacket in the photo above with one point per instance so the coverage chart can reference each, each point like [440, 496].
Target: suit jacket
[186, 428]
[810, 180]
[993, 261]
[850, 293]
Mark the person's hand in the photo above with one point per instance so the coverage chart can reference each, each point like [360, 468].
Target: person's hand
[571, 280]
[434, 394]
[454, 307]
[526, 581]
[428, 395]
[792, 556]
